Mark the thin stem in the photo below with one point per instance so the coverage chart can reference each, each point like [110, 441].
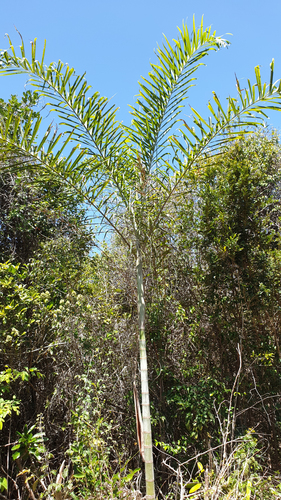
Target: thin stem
[147, 435]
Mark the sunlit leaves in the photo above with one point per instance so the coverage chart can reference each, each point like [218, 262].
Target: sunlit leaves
[225, 125]
[122, 170]
[162, 95]
[207, 137]
[89, 118]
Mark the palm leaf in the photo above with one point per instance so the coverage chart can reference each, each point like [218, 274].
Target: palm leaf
[20, 149]
[90, 119]
[161, 96]
[223, 126]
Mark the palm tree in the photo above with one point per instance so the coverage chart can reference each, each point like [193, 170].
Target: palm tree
[130, 175]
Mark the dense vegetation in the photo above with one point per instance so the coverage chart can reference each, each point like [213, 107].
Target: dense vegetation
[69, 348]
[182, 303]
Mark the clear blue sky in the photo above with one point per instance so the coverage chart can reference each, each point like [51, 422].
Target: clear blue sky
[114, 41]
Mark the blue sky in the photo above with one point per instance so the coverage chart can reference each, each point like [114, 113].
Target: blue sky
[114, 42]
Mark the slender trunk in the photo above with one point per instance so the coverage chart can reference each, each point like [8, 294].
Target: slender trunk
[147, 435]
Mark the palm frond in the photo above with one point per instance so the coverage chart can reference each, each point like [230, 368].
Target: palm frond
[162, 95]
[21, 149]
[223, 126]
[90, 119]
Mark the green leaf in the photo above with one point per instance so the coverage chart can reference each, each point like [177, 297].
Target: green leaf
[130, 476]
[195, 488]
[16, 447]
[248, 490]
[191, 484]
[79, 475]
[3, 483]
[25, 376]
[200, 466]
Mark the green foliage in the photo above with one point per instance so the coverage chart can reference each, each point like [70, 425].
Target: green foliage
[194, 404]
[242, 476]
[238, 477]
[20, 111]
[29, 444]
[235, 244]
[90, 452]
[219, 287]
[162, 94]
[3, 484]
[112, 165]
[35, 207]
[16, 301]
[7, 406]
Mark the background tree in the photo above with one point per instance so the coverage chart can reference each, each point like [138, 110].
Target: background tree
[44, 255]
[222, 291]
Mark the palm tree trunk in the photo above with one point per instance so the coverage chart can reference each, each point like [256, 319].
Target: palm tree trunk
[147, 435]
